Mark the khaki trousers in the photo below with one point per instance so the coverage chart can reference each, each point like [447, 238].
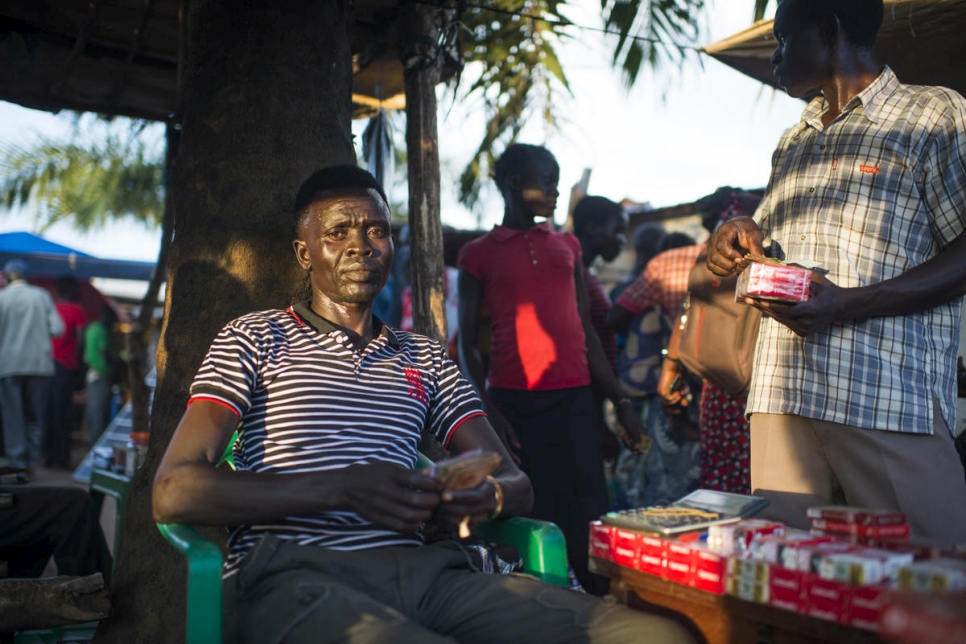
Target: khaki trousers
[799, 462]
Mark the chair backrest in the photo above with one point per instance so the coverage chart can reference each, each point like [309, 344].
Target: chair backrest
[228, 458]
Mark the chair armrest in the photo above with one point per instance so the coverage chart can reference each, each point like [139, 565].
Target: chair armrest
[203, 621]
[540, 543]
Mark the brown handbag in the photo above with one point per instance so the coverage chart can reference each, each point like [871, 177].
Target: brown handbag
[719, 335]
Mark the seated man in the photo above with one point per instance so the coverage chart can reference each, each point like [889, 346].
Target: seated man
[329, 404]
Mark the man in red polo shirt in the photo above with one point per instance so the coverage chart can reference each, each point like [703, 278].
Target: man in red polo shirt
[65, 349]
[544, 351]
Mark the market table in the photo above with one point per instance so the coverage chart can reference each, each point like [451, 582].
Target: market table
[722, 619]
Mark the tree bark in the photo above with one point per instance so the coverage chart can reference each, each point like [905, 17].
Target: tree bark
[267, 94]
[139, 336]
[418, 33]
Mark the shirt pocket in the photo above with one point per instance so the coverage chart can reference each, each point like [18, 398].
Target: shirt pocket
[558, 259]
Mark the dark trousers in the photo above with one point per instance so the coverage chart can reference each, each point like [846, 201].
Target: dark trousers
[57, 443]
[425, 594]
[51, 521]
[561, 455]
[23, 405]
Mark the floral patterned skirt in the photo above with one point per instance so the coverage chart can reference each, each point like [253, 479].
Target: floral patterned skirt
[725, 442]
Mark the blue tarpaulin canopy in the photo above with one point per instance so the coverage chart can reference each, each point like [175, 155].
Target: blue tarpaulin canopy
[46, 259]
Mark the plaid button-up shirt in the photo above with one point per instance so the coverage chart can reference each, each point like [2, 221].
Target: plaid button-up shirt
[878, 191]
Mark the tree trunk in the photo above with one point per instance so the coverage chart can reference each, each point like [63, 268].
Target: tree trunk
[266, 103]
[139, 336]
[417, 30]
[417, 34]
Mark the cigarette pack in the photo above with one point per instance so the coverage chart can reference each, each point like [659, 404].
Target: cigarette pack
[750, 591]
[601, 545]
[786, 589]
[678, 563]
[893, 530]
[852, 568]
[709, 569]
[736, 538]
[768, 279]
[653, 555]
[934, 575]
[858, 516]
[825, 598]
[748, 570]
[806, 556]
[626, 547]
[895, 543]
[771, 548]
[865, 605]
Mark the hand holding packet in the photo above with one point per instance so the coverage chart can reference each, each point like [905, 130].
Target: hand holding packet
[465, 471]
[764, 278]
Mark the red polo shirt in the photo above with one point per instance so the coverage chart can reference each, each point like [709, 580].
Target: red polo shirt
[64, 347]
[528, 281]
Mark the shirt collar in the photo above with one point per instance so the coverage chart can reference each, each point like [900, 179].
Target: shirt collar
[872, 100]
[304, 311]
[503, 233]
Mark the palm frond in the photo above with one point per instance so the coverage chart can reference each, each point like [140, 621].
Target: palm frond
[652, 32]
[514, 51]
[760, 7]
[114, 172]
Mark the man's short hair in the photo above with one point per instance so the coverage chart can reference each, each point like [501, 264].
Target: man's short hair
[15, 268]
[68, 288]
[514, 159]
[594, 210]
[334, 177]
[860, 19]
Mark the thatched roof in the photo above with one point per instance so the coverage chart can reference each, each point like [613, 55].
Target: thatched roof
[922, 40]
[121, 57]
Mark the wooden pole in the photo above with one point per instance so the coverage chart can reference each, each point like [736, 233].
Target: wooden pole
[418, 36]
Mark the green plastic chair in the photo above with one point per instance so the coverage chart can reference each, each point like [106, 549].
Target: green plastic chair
[540, 543]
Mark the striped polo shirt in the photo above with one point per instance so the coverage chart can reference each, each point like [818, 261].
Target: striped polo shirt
[310, 401]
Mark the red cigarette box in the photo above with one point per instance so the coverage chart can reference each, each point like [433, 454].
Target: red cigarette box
[678, 563]
[786, 589]
[653, 555]
[859, 516]
[888, 531]
[865, 606]
[825, 599]
[601, 541]
[773, 282]
[708, 569]
[626, 547]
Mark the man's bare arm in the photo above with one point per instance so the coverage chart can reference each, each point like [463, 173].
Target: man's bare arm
[934, 282]
[479, 503]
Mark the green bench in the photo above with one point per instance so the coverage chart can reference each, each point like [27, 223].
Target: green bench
[540, 544]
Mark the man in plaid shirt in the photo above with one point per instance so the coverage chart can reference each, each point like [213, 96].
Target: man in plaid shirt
[854, 391]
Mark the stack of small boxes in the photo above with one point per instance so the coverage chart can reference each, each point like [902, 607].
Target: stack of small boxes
[860, 526]
[843, 570]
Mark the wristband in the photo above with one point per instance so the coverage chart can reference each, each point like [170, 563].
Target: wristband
[498, 494]
[668, 357]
